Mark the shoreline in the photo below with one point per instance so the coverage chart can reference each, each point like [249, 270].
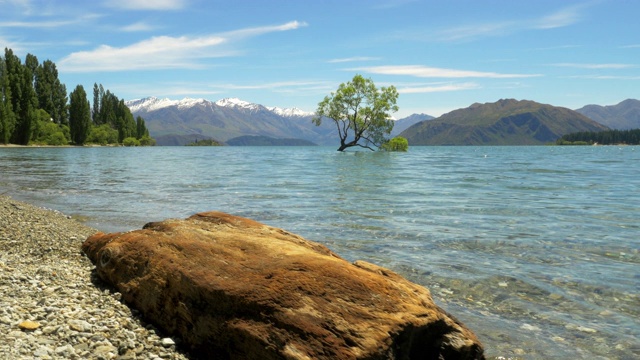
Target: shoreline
[51, 304]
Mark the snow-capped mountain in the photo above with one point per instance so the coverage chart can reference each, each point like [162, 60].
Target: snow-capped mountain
[176, 122]
[238, 104]
[225, 119]
[289, 112]
[153, 103]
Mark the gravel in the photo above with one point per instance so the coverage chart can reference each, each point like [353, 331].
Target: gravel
[51, 304]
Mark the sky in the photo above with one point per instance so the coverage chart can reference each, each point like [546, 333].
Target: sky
[440, 55]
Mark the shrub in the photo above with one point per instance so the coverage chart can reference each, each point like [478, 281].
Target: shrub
[398, 143]
[131, 141]
[103, 135]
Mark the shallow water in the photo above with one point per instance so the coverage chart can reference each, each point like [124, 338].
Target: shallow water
[534, 248]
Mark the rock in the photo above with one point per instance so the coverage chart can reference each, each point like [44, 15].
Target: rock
[79, 325]
[167, 342]
[28, 325]
[231, 287]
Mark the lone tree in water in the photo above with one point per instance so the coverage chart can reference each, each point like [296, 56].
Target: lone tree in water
[361, 112]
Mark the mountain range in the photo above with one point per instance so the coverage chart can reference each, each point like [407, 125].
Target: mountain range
[174, 122]
[505, 122]
[234, 121]
[623, 116]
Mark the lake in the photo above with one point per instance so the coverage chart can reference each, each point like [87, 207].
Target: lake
[536, 249]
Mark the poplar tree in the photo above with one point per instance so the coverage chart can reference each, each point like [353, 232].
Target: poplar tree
[79, 115]
[23, 96]
[51, 93]
[7, 118]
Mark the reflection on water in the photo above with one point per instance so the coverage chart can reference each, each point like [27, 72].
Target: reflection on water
[534, 248]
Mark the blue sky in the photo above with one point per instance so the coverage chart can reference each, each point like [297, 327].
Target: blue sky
[440, 55]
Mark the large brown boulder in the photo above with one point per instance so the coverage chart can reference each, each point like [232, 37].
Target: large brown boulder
[233, 288]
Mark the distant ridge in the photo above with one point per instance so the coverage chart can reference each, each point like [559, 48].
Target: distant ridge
[255, 140]
[179, 122]
[505, 122]
[224, 119]
[404, 123]
[622, 116]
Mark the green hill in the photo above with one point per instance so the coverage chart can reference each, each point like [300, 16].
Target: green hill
[505, 122]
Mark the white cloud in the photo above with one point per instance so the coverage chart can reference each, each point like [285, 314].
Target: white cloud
[438, 88]
[39, 24]
[353, 59]
[432, 72]
[136, 27]
[146, 4]
[595, 66]
[255, 31]
[468, 32]
[163, 52]
[603, 77]
[35, 24]
[560, 18]
[273, 85]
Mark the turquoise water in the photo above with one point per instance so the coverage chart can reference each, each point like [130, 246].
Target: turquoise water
[534, 248]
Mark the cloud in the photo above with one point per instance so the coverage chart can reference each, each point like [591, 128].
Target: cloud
[432, 72]
[603, 77]
[255, 31]
[560, 18]
[352, 59]
[39, 24]
[595, 66]
[273, 85]
[136, 27]
[163, 52]
[146, 4]
[468, 32]
[631, 46]
[438, 88]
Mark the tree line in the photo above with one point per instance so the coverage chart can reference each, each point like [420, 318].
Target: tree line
[608, 137]
[35, 109]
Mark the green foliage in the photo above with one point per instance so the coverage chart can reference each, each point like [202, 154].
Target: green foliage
[103, 135]
[131, 141]
[360, 111]
[47, 132]
[108, 109]
[610, 137]
[398, 143]
[79, 116]
[23, 96]
[204, 142]
[147, 141]
[7, 117]
[51, 94]
[29, 90]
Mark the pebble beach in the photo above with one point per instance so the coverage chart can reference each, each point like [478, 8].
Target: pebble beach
[51, 304]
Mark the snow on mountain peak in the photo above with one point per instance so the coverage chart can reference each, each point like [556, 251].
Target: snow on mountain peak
[235, 102]
[189, 102]
[289, 112]
[153, 103]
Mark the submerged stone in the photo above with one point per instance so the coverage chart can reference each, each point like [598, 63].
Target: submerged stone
[231, 287]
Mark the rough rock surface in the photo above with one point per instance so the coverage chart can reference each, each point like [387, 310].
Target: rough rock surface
[230, 287]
